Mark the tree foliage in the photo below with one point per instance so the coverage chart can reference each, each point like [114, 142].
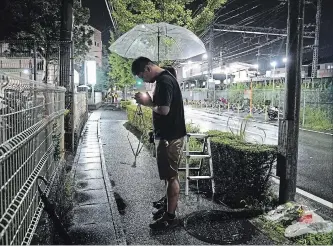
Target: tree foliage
[102, 77]
[120, 72]
[41, 19]
[128, 13]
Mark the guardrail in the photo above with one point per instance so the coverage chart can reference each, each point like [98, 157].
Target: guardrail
[31, 135]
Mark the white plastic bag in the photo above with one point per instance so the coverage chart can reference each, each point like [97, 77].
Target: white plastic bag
[301, 228]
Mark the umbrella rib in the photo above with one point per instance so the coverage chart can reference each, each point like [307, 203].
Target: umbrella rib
[131, 45]
[179, 48]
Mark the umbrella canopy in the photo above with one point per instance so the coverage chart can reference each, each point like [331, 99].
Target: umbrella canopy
[159, 42]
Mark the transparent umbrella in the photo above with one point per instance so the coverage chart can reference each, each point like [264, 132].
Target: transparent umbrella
[158, 42]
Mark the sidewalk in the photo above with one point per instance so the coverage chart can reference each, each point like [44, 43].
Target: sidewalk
[104, 176]
[137, 187]
[95, 210]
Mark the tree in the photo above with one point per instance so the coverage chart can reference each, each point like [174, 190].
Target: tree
[40, 20]
[120, 69]
[102, 78]
[129, 13]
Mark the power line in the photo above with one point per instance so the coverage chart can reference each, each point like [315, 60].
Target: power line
[255, 48]
[114, 23]
[257, 30]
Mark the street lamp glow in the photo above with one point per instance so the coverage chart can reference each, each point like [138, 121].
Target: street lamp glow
[273, 64]
[91, 72]
[26, 71]
[285, 59]
[204, 56]
[256, 66]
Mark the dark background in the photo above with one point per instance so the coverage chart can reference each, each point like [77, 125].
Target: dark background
[260, 13]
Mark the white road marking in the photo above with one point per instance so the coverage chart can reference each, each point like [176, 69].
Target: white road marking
[309, 195]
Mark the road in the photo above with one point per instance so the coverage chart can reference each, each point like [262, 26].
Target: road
[315, 155]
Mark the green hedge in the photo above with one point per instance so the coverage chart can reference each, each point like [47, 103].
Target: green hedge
[240, 169]
[125, 103]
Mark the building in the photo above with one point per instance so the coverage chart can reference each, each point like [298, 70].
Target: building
[95, 52]
[195, 74]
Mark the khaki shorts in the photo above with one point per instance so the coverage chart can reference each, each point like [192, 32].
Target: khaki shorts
[168, 156]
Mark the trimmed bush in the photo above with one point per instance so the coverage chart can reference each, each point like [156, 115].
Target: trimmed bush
[241, 169]
[125, 103]
[135, 120]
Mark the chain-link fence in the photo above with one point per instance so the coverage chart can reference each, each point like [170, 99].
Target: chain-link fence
[31, 139]
[316, 102]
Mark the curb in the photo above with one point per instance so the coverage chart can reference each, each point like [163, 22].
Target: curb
[78, 151]
[120, 234]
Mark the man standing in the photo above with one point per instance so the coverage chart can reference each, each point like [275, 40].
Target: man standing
[169, 130]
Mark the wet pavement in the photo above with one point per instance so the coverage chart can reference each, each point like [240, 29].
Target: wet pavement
[137, 187]
[315, 155]
[94, 203]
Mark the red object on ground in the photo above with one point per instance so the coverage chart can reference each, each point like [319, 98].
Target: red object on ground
[306, 218]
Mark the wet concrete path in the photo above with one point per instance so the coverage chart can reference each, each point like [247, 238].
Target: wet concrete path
[138, 187]
[94, 204]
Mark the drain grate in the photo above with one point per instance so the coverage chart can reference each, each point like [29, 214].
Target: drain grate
[220, 227]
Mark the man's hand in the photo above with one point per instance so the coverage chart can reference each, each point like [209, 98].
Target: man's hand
[143, 99]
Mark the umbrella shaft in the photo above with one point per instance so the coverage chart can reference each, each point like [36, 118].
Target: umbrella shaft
[158, 45]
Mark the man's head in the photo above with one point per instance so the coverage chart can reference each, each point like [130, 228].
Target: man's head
[145, 69]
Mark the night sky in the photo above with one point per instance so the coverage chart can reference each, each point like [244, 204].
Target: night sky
[261, 13]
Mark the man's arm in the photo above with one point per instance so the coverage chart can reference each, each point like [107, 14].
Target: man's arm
[163, 98]
[162, 110]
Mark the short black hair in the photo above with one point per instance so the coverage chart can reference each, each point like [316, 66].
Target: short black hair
[139, 64]
[171, 70]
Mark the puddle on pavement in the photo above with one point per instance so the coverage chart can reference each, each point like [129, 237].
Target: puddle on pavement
[220, 227]
[81, 197]
[121, 205]
[82, 184]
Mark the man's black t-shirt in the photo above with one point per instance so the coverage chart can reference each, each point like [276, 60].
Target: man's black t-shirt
[167, 93]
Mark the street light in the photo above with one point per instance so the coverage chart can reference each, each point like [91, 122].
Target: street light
[204, 56]
[90, 73]
[26, 71]
[273, 64]
[285, 59]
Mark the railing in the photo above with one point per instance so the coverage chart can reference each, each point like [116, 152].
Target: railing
[316, 105]
[31, 135]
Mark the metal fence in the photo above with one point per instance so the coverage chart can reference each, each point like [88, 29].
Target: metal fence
[31, 135]
[316, 104]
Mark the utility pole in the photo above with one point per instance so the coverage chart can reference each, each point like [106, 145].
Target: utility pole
[316, 42]
[66, 68]
[210, 57]
[289, 126]
[210, 61]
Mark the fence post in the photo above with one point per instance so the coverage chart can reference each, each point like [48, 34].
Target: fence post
[303, 115]
[35, 61]
[265, 113]
[73, 109]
